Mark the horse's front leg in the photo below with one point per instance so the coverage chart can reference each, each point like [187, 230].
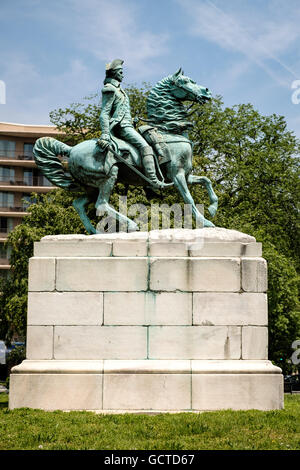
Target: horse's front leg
[102, 203]
[213, 198]
[181, 184]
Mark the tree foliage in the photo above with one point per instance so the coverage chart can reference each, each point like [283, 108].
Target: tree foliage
[253, 163]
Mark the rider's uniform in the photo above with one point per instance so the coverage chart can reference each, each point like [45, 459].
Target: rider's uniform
[115, 119]
[116, 115]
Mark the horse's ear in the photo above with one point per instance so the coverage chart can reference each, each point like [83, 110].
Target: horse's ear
[179, 72]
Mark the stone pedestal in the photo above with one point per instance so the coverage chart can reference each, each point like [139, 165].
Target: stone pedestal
[170, 320]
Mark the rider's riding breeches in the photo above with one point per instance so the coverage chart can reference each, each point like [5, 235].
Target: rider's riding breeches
[129, 134]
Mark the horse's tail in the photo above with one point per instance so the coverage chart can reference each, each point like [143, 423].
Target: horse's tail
[45, 153]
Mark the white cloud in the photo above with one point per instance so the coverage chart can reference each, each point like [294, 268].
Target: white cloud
[107, 30]
[257, 37]
[31, 95]
[112, 29]
[89, 32]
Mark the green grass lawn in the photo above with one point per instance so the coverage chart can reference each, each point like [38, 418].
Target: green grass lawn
[35, 429]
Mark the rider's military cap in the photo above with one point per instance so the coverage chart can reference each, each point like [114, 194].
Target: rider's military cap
[114, 64]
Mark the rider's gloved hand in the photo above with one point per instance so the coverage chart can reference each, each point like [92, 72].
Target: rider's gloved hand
[104, 142]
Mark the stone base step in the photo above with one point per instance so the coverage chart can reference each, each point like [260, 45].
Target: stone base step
[146, 386]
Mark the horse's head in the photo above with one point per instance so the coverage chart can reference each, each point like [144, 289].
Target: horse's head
[185, 89]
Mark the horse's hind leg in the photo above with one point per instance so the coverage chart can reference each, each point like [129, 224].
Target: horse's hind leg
[79, 205]
[102, 204]
[213, 198]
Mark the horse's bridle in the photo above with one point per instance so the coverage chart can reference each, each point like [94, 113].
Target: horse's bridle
[200, 100]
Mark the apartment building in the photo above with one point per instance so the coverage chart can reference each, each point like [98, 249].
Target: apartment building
[19, 177]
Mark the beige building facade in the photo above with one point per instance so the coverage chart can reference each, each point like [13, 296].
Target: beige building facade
[19, 177]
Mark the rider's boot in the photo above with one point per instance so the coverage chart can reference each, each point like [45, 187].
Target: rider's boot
[149, 167]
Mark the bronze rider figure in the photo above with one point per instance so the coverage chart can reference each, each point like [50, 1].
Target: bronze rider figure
[116, 114]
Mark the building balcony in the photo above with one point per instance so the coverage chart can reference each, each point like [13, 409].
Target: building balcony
[18, 163]
[15, 156]
[3, 265]
[13, 211]
[22, 187]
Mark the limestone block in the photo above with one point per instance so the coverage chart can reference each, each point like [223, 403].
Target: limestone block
[225, 249]
[39, 342]
[233, 367]
[146, 367]
[195, 274]
[41, 274]
[169, 274]
[230, 308]
[56, 391]
[147, 308]
[171, 309]
[194, 342]
[254, 342]
[65, 308]
[130, 248]
[206, 234]
[237, 391]
[100, 342]
[59, 367]
[147, 392]
[72, 248]
[254, 275]
[168, 249]
[101, 274]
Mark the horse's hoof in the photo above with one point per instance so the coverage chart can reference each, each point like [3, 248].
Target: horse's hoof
[92, 231]
[208, 223]
[133, 228]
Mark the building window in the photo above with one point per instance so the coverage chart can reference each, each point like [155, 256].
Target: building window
[6, 225]
[28, 151]
[27, 200]
[7, 148]
[28, 177]
[7, 199]
[5, 251]
[7, 174]
[35, 178]
[45, 181]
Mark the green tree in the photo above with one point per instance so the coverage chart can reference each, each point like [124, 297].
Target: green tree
[52, 213]
[80, 121]
[252, 162]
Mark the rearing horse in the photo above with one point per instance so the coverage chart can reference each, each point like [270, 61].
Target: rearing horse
[169, 116]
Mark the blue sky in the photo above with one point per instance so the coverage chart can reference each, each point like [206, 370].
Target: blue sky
[54, 53]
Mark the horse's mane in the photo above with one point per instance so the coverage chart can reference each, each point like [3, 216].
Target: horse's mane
[163, 107]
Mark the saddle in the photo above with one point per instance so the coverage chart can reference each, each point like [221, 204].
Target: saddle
[156, 140]
[152, 136]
